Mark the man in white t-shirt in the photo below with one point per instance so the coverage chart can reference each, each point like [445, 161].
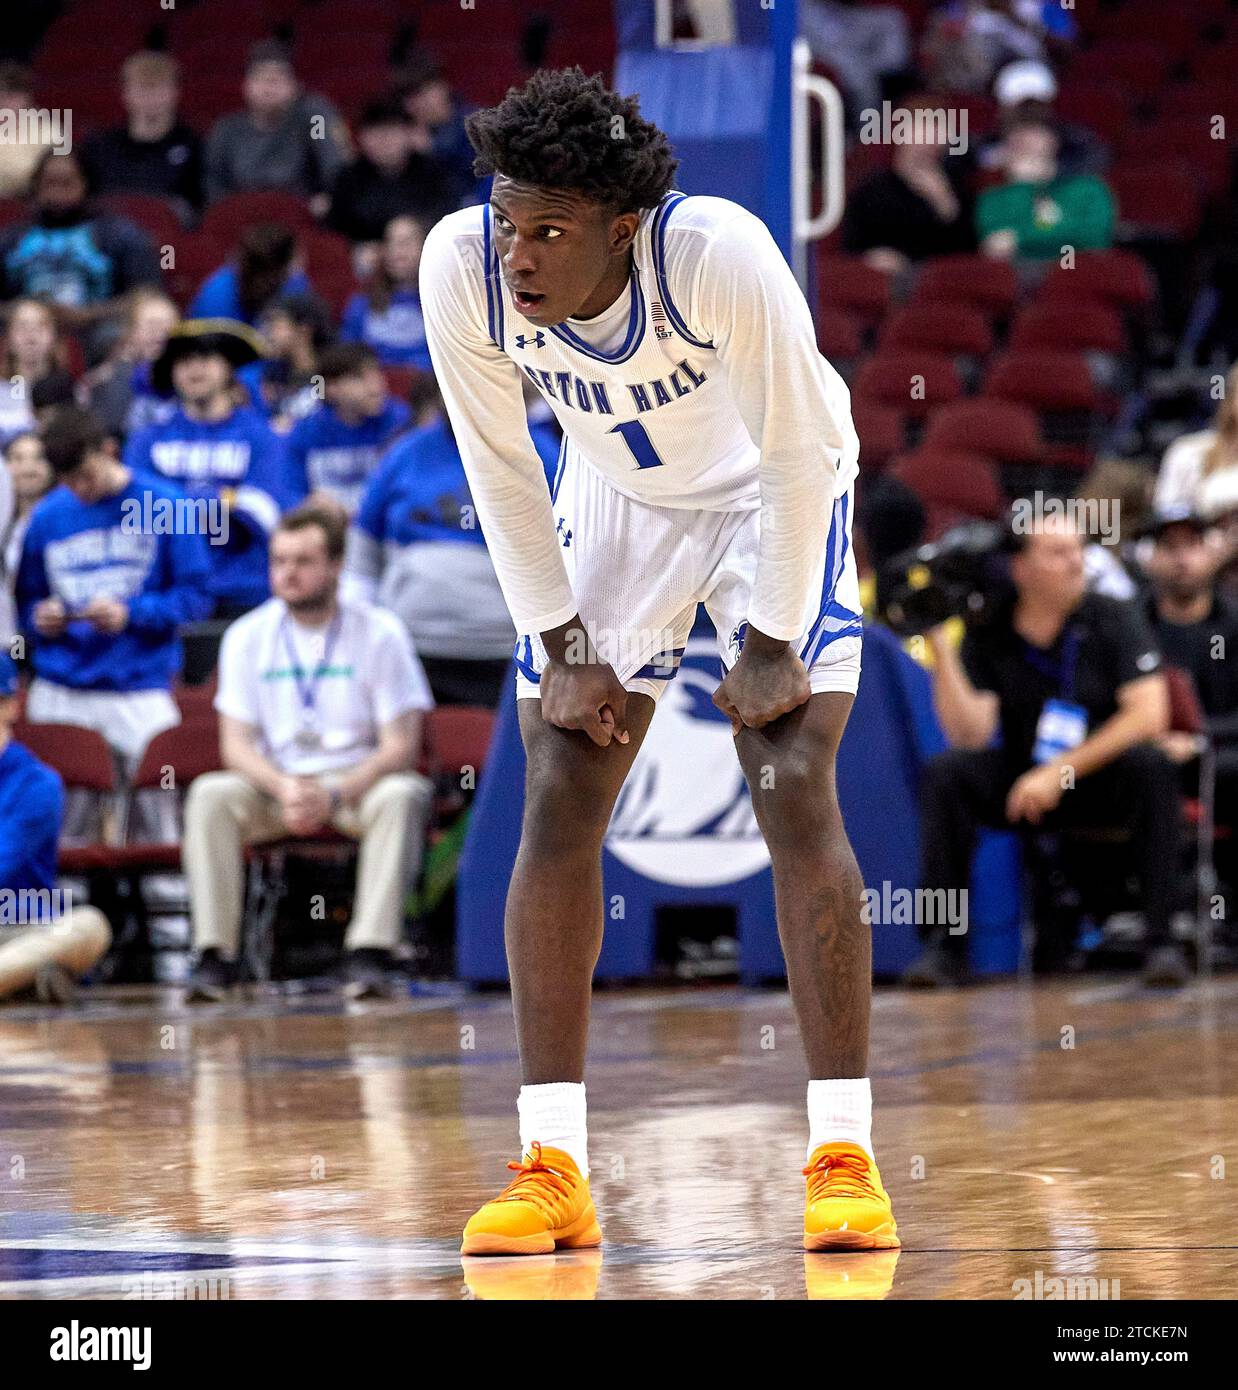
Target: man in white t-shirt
[320, 707]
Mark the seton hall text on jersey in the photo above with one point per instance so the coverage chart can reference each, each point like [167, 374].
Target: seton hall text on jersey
[588, 396]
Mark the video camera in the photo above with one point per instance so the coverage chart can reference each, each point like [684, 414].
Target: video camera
[963, 574]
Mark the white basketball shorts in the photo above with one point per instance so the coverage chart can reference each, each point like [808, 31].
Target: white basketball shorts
[638, 572]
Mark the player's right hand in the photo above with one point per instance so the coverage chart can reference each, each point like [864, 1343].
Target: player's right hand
[585, 697]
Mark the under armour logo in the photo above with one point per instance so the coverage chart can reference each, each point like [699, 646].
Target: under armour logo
[538, 340]
[561, 530]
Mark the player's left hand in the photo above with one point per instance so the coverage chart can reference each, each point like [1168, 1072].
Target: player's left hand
[759, 689]
[1035, 794]
[107, 614]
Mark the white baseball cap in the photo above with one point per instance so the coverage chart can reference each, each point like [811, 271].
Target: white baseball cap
[1028, 79]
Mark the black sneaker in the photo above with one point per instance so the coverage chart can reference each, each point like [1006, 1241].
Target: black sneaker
[938, 967]
[368, 974]
[1166, 968]
[211, 979]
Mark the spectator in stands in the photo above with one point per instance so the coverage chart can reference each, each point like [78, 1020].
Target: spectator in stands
[1028, 88]
[33, 354]
[8, 610]
[1124, 488]
[387, 316]
[154, 152]
[917, 208]
[284, 138]
[79, 258]
[44, 952]
[321, 700]
[18, 157]
[333, 450]
[967, 41]
[110, 569]
[438, 126]
[862, 44]
[267, 264]
[220, 453]
[120, 390]
[416, 548]
[1196, 458]
[29, 479]
[1072, 683]
[388, 177]
[297, 328]
[1039, 210]
[1196, 627]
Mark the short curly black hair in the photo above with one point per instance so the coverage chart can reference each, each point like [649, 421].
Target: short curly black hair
[565, 130]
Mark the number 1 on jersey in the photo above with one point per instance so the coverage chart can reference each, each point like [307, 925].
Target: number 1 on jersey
[639, 444]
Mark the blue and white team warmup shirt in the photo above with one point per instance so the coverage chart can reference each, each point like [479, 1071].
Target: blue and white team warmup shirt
[708, 456]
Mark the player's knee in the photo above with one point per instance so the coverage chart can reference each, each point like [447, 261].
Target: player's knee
[563, 814]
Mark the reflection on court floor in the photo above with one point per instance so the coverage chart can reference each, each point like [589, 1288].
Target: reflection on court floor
[306, 1149]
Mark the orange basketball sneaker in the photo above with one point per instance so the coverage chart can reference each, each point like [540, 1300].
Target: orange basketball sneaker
[545, 1206]
[847, 1207]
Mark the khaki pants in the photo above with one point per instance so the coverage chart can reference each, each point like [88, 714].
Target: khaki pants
[224, 812]
[77, 940]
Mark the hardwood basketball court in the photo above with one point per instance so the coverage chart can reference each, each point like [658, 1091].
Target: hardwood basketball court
[278, 1147]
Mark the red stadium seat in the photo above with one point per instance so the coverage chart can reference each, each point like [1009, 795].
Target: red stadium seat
[1003, 430]
[838, 335]
[1216, 61]
[1047, 381]
[197, 255]
[882, 433]
[185, 752]
[153, 215]
[13, 210]
[1185, 140]
[458, 737]
[228, 218]
[329, 265]
[851, 284]
[1140, 64]
[984, 283]
[954, 487]
[1205, 97]
[1083, 326]
[1118, 277]
[84, 763]
[1158, 200]
[963, 331]
[1103, 109]
[913, 382]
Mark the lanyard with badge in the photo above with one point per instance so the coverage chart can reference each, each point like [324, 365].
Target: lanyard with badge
[309, 736]
[1063, 724]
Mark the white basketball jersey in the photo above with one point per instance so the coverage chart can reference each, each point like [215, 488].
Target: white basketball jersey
[701, 387]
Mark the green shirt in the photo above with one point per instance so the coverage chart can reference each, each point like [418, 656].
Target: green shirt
[1076, 212]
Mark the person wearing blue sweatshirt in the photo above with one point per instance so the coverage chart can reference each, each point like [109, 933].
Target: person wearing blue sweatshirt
[264, 267]
[220, 453]
[335, 448]
[44, 942]
[112, 564]
[417, 548]
[387, 316]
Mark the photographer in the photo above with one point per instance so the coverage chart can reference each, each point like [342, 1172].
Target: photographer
[1072, 681]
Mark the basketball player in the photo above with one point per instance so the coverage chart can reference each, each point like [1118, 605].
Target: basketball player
[708, 457]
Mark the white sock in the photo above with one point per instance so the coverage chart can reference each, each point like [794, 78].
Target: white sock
[840, 1111]
[554, 1115]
